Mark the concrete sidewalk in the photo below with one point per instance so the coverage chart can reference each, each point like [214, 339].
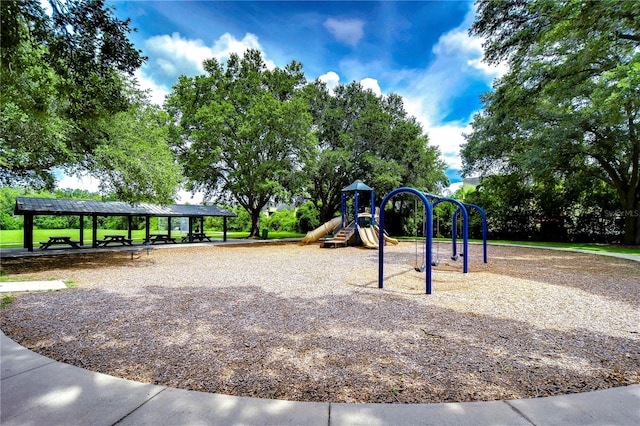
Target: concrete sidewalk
[36, 390]
[20, 286]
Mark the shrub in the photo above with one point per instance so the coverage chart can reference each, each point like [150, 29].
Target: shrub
[283, 220]
[8, 221]
[308, 217]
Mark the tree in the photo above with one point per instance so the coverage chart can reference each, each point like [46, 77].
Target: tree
[134, 161]
[368, 137]
[570, 103]
[242, 131]
[64, 77]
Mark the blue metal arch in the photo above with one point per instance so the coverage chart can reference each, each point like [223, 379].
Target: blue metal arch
[428, 235]
[484, 229]
[465, 229]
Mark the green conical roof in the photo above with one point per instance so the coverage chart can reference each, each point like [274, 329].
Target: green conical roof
[357, 186]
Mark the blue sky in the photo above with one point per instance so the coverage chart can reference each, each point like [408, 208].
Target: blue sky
[418, 49]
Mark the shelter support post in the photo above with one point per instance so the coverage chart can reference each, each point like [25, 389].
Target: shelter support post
[169, 226]
[224, 228]
[190, 229]
[81, 229]
[94, 230]
[28, 231]
[129, 226]
[147, 231]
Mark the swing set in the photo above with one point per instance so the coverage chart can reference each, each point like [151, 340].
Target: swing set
[429, 202]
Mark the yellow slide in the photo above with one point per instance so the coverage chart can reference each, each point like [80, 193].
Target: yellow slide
[322, 230]
[371, 237]
[386, 237]
[368, 237]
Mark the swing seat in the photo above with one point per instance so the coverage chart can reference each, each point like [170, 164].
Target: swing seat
[420, 268]
[435, 263]
[454, 257]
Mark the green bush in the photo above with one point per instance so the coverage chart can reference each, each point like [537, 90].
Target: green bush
[8, 221]
[283, 220]
[55, 222]
[308, 217]
[242, 223]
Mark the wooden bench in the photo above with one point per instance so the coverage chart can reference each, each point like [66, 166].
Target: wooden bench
[59, 240]
[196, 236]
[116, 239]
[161, 238]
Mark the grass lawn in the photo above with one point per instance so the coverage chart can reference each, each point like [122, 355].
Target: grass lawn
[609, 248]
[14, 238]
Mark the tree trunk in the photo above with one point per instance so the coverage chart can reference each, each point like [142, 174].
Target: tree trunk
[632, 227]
[255, 223]
[326, 212]
[329, 206]
[631, 214]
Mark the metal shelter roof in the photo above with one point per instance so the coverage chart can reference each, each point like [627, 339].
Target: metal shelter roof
[358, 185]
[60, 206]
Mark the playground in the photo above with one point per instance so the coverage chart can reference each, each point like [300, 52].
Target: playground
[308, 324]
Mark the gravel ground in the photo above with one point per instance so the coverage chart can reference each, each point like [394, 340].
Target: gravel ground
[309, 324]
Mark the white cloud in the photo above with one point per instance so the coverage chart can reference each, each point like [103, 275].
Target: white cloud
[348, 31]
[228, 44]
[331, 79]
[86, 183]
[371, 84]
[186, 197]
[490, 70]
[157, 94]
[91, 184]
[458, 43]
[173, 55]
[448, 139]
[446, 136]
[430, 94]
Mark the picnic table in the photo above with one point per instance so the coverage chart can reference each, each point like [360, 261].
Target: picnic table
[200, 236]
[59, 240]
[116, 239]
[161, 238]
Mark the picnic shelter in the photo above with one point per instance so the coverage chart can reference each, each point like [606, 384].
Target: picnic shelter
[33, 206]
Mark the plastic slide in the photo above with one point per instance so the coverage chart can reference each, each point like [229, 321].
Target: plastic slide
[368, 237]
[386, 237]
[322, 230]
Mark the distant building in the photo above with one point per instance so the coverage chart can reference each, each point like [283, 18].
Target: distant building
[472, 181]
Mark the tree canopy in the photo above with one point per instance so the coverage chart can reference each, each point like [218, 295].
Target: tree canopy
[243, 131]
[568, 108]
[240, 133]
[364, 136]
[133, 159]
[65, 78]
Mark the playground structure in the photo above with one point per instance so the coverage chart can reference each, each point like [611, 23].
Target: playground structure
[355, 229]
[365, 228]
[361, 228]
